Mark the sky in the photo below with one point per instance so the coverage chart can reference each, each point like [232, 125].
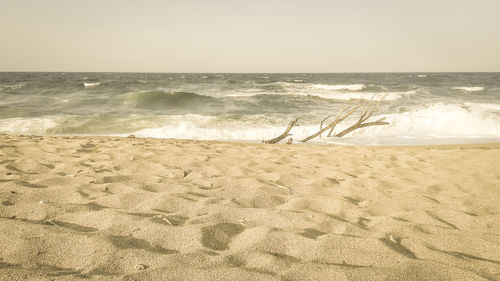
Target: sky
[250, 36]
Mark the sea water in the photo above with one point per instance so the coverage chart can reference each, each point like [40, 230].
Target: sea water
[421, 108]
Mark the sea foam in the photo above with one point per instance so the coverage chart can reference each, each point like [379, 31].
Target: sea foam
[434, 121]
[457, 122]
[29, 126]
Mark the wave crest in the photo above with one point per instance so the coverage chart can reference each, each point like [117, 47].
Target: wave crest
[162, 99]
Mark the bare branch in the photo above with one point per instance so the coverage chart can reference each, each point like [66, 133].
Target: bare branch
[322, 121]
[285, 133]
[365, 115]
[338, 116]
[359, 126]
[339, 119]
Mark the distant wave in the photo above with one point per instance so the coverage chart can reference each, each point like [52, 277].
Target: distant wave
[345, 96]
[244, 94]
[247, 93]
[469, 89]
[88, 85]
[12, 87]
[351, 87]
[298, 84]
[422, 75]
[362, 95]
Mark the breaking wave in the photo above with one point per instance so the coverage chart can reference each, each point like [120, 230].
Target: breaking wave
[435, 123]
[457, 122]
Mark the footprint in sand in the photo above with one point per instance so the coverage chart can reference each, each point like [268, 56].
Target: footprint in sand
[126, 242]
[312, 233]
[30, 185]
[218, 236]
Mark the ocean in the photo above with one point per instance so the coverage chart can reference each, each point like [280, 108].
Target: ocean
[421, 108]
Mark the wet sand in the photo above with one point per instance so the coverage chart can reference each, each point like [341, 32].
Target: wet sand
[109, 208]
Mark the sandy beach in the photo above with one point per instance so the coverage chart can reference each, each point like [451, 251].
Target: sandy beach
[110, 208]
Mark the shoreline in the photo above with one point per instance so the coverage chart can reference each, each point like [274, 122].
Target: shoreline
[486, 144]
[123, 208]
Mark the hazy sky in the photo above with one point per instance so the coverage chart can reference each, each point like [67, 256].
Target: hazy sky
[250, 36]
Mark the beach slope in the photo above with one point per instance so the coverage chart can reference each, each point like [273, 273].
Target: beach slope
[109, 208]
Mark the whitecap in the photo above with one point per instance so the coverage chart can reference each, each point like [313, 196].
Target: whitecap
[469, 89]
[88, 85]
[350, 87]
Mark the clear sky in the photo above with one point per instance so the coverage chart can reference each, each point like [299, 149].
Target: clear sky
[250, 36]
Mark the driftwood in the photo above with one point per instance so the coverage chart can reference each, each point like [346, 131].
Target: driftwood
[332, 125]
[323, 121]
[285, 133]
[365, 115]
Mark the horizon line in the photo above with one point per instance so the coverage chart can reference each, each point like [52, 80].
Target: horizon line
[171, 72]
